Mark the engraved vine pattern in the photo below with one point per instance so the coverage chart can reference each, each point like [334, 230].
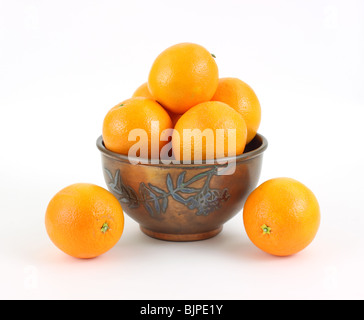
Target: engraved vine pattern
[155, 200]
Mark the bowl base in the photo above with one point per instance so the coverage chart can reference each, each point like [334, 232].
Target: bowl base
[181, 237]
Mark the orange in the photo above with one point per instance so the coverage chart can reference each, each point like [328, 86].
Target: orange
[211, 115]
[183, 76]
[134, 113]
[281, 216]
[143, 91]
[240, 96]
[84, 220]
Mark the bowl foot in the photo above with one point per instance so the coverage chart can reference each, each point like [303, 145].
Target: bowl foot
[181, 237]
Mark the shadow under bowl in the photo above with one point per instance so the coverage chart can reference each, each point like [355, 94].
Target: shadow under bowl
[183, 202]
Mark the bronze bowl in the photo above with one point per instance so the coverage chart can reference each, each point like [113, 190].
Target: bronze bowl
[182, 202]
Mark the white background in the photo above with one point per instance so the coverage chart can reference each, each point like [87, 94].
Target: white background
[64, 64]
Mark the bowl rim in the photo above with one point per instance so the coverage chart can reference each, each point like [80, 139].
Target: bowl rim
[240, 158]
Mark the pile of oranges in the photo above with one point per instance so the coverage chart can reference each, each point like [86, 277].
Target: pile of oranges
[184, 92]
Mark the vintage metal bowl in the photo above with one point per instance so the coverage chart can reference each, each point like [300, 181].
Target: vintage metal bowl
[183, 202]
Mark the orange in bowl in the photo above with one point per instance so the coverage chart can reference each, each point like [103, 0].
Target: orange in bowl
[143, 91]
[240, 96]
[136, 113]
[212, 116]
[183, 76]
